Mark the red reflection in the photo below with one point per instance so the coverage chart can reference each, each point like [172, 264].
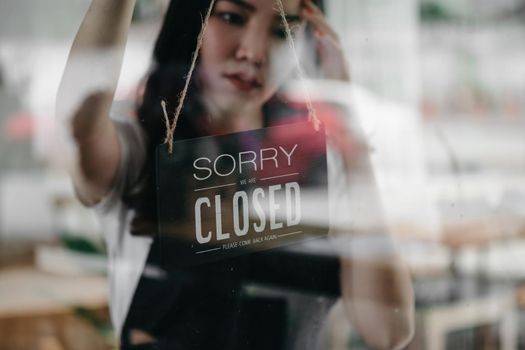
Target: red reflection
[19, 126]
[332, 117]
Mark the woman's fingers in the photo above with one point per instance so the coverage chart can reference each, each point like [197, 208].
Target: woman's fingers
[316, 18]
[333, 63]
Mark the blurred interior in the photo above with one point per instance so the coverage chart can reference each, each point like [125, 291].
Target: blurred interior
[439, 88]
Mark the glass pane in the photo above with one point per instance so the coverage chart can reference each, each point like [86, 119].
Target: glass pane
[261, 174]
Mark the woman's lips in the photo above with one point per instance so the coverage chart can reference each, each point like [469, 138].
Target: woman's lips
[243, 83]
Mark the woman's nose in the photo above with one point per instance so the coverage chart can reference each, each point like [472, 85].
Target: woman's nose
[253, 47]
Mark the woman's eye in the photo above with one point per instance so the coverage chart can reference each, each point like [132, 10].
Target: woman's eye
[232, 18]
[279, 33]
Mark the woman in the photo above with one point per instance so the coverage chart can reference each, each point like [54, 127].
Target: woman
[241, 64]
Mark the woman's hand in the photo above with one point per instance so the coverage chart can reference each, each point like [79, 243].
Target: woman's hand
[332, 59]
[85, 96]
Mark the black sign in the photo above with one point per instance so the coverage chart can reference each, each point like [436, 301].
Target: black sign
[226, 195]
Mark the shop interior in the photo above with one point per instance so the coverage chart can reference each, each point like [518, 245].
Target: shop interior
[439, 89]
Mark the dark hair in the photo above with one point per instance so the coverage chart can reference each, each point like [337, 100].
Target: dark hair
[172, 56]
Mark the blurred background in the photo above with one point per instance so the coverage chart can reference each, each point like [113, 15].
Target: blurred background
[439, 87]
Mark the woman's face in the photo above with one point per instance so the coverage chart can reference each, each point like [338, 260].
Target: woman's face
[245, 55]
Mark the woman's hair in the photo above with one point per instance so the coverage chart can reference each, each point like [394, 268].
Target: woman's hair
[172, 56]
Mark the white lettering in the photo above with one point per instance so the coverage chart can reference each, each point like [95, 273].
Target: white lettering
[274, 207]
[234, 164]
[272, 203]
[218, 220]
[226, 164]
[289, 155]
[202, 168]
[291, 219]
[274, 157]
[241, 162]
[258, 192]
[245, 213]
[198, 225]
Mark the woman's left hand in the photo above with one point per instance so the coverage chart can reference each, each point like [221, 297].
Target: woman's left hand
[329, 48]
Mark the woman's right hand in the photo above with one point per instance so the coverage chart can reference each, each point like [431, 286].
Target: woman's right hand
[86, 93]
[329, 48]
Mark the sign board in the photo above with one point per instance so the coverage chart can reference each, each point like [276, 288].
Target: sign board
[222, 196]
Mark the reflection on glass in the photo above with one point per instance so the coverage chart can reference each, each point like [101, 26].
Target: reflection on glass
[245, 226]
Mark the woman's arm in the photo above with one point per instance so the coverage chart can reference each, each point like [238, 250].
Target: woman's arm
[86, 93]
[375, 284]
[377, 295]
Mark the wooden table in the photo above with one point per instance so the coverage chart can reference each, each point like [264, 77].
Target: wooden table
[39, 311]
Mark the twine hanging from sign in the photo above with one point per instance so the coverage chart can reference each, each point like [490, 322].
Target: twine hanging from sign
[171, 126]
[312, 114]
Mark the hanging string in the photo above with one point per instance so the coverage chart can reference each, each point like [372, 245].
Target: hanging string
[182, 96]
[312, 114]
[166, 118]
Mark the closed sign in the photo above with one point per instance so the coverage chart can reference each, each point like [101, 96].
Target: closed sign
[227, 195]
